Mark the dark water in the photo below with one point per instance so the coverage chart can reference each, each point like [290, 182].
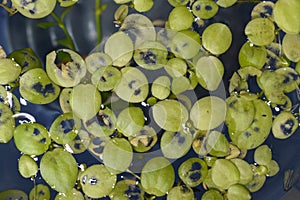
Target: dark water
[17, 33]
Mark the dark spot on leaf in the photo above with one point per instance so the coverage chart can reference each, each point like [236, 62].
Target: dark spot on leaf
[177, 134]
[164, 34]
[25, 64]
[294, 76]
[231, 104]
[25, 53]
[32, 11]
[247, 134]
[130, 84]
[77, 65]
[36, 131]
[133, 191]
[102, 79]
[268, 11]
[67, 125]
[33, 58]
[97, 141]
[176, 49]
[109, 75]
[256, 129]
[27, 2]
[38, 87]
[195, 176]
[104, 120]
[287, 127]
[132, 33]
[149, 57]
[180, 138]
[137, 91]
[98, 150]
[77, 146]
[254, 184]
[43, 140]
[41, 193]
[143, 132]
[184, 189]
[286, 80]
[100, 61]
[149, 141]
[208, 8]
[196, 166]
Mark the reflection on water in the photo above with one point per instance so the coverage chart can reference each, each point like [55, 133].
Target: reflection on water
[85, 42]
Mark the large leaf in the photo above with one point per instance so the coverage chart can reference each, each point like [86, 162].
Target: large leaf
[59, 169]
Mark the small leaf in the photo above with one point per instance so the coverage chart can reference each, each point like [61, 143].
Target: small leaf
[121, 13]
[103, 7]
[46, 24]
[64, 13]
[100, 9]
[13, 194]
[65, 42]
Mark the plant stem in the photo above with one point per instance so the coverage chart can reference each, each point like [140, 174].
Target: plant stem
[97, 19]
[64, 29]
[11, 11]
[136, 176]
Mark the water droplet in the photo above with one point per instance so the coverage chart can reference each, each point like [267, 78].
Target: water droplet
[68, 148]
[84, 179]
[82, 167]
[144, 104]
[10, 99]
[23, 102]
[277, 109]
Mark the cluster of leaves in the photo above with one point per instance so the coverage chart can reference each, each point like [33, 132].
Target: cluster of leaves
[139, 94]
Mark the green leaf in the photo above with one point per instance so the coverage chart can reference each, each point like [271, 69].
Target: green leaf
[65, 42]
[7, 123]
[13, 194]
[59, 169]
[159, 171]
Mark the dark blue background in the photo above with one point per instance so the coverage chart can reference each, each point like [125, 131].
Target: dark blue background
[17, 32]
